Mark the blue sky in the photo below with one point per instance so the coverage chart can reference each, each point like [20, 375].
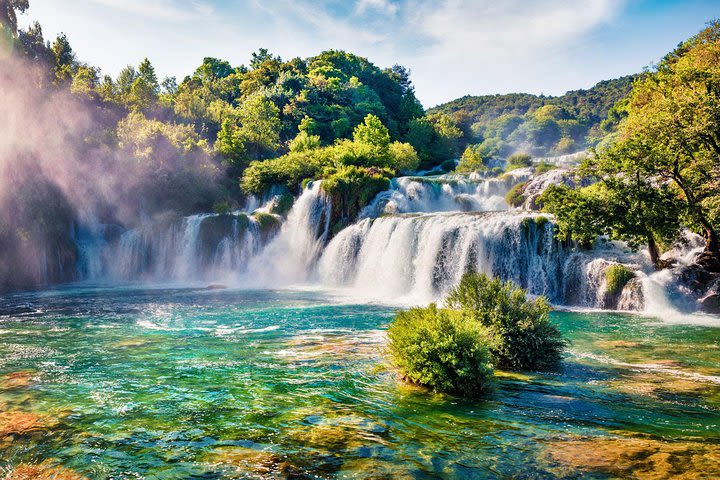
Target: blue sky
[453, 47]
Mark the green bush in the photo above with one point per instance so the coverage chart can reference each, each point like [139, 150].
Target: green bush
[441, 349]
[518, 160]
[542, 167]
[616, 277]
[515, 197]
[521, 336]
[351, 188]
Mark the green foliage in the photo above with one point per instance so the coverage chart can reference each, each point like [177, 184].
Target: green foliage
[616, 277]
[267, 222]
[518, 160]
[436, 139]
[520, 333]
[470, 161]
[372, 132]
[352, 188]
[539, 124]
[441, 349]
[515, 197]
[403, 157]
[543, 167]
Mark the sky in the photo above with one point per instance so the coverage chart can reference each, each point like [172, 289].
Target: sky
[452, 47]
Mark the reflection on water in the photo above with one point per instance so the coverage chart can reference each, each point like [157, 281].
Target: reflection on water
[177, 383]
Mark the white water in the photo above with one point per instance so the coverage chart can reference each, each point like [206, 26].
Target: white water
[413, 244]
[446, 193]
[289, 258]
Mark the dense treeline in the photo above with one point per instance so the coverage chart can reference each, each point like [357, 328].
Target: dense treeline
[495, 126]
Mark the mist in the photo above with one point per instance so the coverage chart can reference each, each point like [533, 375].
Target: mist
[66, 160]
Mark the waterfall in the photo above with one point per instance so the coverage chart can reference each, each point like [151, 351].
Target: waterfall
[418, 258]
[289, 258]
[198, 247]
[445, 193]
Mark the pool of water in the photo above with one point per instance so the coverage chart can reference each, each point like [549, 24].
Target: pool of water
[190, 383]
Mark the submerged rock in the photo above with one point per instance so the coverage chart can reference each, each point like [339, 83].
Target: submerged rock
[17, 380]
[639, 458]
[15, 422]
[251, 462]
[43, 471]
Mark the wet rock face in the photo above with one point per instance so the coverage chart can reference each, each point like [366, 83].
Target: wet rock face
[702, 281]
[537, 185]
[632, 299]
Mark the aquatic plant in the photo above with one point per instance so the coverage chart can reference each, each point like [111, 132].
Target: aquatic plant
[441, 349]
[520, 334]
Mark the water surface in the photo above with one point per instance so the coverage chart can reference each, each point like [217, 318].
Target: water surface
[129, 382]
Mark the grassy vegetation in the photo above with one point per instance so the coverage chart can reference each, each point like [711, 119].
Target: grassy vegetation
[516, 195]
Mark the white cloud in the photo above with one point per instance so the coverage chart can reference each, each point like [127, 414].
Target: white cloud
[159, 9]
[384, 6]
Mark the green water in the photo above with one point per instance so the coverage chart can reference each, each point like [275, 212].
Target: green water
[181, 383]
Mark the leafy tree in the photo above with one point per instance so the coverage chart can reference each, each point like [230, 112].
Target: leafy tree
[8, 13]
[470, 161]
[85, 81]
[65, 62]
[372, 132]
[672, 129]
[146, 72]
[262, 56]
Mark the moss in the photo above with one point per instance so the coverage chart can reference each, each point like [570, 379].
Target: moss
[214, 229]
[543, 167]
[352, 188]
[282, 204]
[267, 222]
[616, 277]
[515, 196]
[541, 220]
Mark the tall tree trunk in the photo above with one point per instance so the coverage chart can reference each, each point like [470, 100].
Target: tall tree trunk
[654, 252]
[712, 242]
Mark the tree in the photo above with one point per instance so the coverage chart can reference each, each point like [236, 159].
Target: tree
[8, 13]
[470, 161]
[261, 56]
[373, 132]
[624, 204]
[671, 131]
[146, 72]
[65, 62]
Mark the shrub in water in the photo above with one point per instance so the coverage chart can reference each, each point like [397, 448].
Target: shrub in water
[441, 349]
[520, 333]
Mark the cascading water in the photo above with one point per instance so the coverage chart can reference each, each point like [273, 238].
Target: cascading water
[411, 245]
[418, 258]
[198, 247]
[289, 258]
[445, 193]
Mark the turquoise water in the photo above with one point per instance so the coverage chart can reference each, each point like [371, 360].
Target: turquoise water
[183, 383]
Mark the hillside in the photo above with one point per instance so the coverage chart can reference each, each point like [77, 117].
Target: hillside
[497, 125]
